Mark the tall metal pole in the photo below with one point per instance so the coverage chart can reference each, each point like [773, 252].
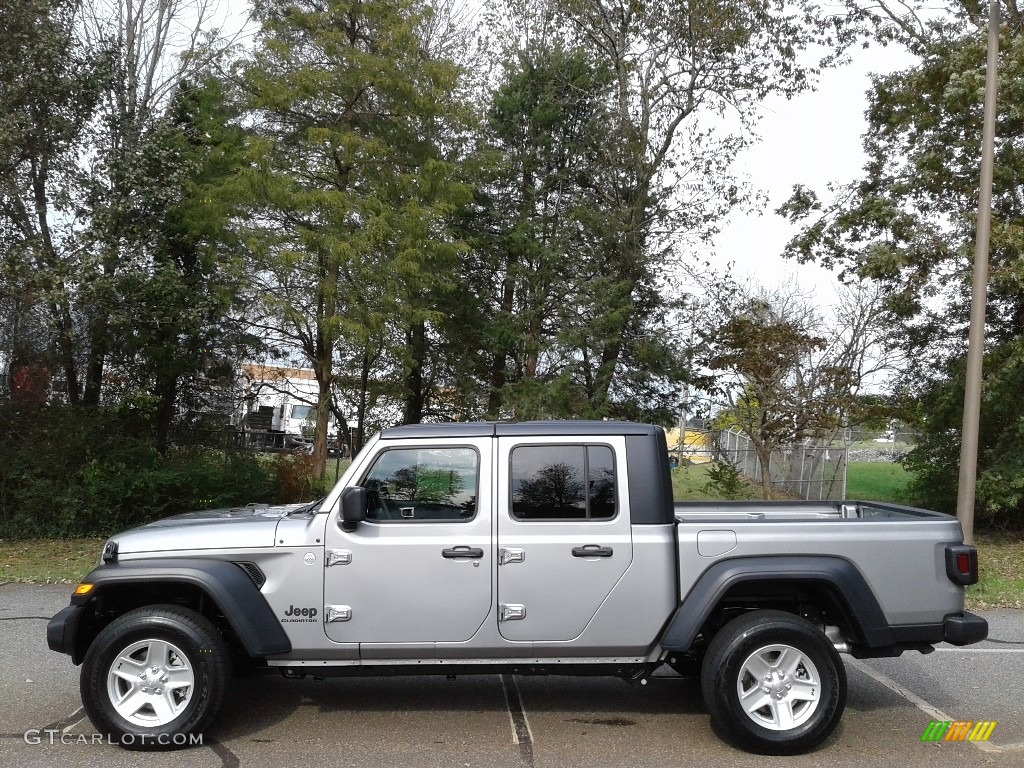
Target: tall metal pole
[684, 413]
[684, 406]
[976, 336]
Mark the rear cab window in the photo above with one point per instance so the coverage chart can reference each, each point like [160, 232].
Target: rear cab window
[563, 482]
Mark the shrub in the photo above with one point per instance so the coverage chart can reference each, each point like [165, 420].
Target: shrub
[91, 472]
[726, 482]
[293, 479]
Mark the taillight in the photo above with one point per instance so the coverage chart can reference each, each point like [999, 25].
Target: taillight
[962, 564]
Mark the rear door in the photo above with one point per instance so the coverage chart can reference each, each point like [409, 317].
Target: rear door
[564, 537]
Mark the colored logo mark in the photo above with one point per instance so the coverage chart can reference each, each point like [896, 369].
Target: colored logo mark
[958, 730]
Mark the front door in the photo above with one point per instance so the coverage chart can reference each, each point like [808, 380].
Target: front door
[564, 537]
[418, 570]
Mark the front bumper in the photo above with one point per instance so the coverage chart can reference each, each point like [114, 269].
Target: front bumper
[62, 630]
[964, 629]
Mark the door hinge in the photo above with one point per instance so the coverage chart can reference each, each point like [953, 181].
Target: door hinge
[512, 612]
[337, 557]
[338, 613]
[511, 555]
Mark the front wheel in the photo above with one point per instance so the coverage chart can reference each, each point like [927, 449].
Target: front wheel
[773, 683]
[155, 677]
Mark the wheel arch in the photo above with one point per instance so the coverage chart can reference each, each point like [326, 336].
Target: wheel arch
[215, 588]
[833, 583]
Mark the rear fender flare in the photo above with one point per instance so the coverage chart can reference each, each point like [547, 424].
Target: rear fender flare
[841, 577]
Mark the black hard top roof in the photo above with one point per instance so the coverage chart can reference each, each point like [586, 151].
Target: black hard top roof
[566, 428]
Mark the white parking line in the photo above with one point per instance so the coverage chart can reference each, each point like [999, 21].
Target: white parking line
[979, 650]
[521, 733]
[933, 712]
[80, 714]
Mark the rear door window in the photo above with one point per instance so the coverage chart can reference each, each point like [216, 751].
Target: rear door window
[563, 482]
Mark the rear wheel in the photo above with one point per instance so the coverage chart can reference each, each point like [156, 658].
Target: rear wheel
[773, 683]
[155, 677]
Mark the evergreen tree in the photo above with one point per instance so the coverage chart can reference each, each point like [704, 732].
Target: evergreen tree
[354, 136]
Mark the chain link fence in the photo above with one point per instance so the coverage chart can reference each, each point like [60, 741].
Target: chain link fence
[897, 438]
[810, 471]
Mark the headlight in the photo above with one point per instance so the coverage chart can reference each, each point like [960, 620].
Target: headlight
[109, 552]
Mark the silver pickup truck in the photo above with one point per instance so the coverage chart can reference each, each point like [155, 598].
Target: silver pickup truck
[524, 548]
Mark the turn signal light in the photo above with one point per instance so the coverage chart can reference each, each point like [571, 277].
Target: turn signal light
[83, 589]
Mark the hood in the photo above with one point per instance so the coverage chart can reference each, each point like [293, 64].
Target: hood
[229, 528]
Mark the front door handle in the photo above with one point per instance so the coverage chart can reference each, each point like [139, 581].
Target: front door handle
[592, 550]
[457, 552]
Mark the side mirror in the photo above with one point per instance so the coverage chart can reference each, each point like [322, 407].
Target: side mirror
[354, 504]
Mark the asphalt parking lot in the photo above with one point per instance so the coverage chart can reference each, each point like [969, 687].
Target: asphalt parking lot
[512, 722]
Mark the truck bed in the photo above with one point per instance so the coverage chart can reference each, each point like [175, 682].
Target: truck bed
[778, 511]
[887, 544]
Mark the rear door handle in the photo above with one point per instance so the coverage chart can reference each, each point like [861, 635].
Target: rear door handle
[592, 550]
[457, 552]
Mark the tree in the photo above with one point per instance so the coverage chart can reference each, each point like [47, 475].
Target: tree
[531, 238]
[153, 48]
[608, 170]
[784, 373]
[909, 225]
[86, 88]
[179, 321]
[353, 137]
[49, 87]
[666, 168]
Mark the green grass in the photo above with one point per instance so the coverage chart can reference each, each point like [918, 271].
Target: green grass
[689, 484]
[335, 469]
[1001, 571]
[48, 561]
[876, 481]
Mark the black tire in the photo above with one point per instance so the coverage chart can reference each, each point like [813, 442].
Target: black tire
[155, 678]
[801, 707]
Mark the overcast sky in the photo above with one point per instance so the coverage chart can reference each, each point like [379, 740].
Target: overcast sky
[812, 140]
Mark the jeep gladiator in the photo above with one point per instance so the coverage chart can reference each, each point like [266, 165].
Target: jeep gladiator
[523, 548]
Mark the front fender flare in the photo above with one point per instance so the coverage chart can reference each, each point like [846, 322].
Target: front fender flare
[225, 583]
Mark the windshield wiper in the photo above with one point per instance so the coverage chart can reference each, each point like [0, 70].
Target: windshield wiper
[306, 508]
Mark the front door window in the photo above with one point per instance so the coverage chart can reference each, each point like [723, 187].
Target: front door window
[423, 485]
